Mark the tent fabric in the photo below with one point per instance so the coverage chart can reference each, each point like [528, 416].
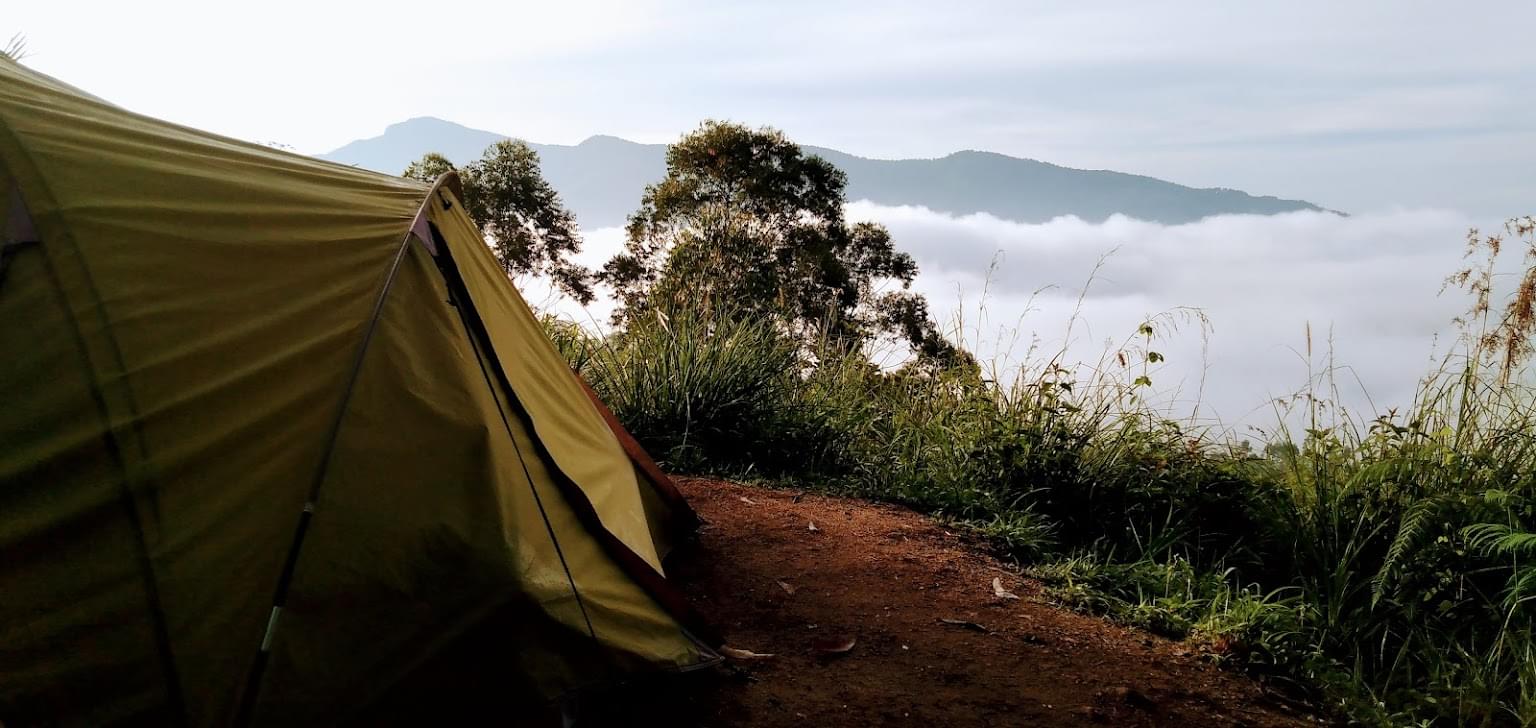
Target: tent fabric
[211, 343]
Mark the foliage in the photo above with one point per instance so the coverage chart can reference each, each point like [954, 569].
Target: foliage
[719, 393]
[1508, 339]
[745, 219]
[1381, 567]
[529, 229]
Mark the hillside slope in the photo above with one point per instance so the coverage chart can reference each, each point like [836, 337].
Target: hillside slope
[601, 179]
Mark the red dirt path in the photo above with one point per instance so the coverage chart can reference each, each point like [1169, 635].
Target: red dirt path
[887, 577]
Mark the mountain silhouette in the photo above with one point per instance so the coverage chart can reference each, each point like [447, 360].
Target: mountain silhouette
[601, 179]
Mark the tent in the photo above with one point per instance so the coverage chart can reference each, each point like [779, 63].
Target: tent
[280, 444]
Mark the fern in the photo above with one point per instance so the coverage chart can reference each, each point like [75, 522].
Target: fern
[1501, 540]
[1497, 539]
[1410, 533]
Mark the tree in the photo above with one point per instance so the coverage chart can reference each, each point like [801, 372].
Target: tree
[529, 229]
[744, 219]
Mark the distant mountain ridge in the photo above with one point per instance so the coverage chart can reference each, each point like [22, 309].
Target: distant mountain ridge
[601, 179]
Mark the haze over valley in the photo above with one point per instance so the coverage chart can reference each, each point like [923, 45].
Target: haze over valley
[1007, 246]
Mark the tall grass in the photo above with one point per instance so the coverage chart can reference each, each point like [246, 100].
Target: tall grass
[1381, 565]
[709, 392]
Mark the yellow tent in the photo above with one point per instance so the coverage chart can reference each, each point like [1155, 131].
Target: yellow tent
[280, 444]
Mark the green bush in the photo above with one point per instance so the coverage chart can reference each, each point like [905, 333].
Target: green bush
[709, 393]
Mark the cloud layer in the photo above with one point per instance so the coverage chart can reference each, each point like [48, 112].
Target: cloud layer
[1366, 287]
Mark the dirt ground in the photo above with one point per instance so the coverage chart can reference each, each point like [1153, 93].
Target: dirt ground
[932, 642]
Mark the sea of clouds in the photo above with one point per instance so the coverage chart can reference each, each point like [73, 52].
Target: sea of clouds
[1282, 298]
[1364, 290]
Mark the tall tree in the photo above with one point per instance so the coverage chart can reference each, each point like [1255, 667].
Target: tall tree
[745, 219]
[529, 228]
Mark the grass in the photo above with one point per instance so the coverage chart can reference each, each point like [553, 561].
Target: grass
[1379, 566]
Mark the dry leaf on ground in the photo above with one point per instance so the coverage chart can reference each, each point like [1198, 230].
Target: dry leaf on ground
[966, 624]
[835, 645]
[743, 655]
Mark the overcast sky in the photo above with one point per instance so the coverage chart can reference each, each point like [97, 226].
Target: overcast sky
[1360, 106]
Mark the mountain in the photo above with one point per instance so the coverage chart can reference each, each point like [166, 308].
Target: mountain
[601, 179]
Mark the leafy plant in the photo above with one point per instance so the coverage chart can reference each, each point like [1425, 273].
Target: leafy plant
[1379, 566]
[529, 229]
[745, 219]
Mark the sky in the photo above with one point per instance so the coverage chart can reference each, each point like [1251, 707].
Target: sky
[1360, 106]
[1417, 118]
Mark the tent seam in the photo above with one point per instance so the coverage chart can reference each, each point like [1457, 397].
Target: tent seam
[254, 677]
[506, 424]
[646, 576]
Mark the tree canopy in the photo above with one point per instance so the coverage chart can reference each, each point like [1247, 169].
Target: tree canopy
[528, 227]
[746, 220]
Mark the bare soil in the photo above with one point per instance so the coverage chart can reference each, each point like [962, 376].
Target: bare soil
[933, 643]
